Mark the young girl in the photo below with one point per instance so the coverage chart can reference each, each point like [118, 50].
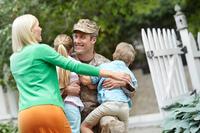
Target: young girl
[72, 104]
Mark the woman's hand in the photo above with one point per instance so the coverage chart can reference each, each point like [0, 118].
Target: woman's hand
[121, 76]
[112, 83]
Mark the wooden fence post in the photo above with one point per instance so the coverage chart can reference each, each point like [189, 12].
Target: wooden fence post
[3, 109]
[181, 24]
[12, 102]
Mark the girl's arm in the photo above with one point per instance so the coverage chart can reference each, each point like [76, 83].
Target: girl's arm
[85, 80]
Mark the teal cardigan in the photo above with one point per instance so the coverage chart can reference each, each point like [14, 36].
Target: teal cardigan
[34, 70]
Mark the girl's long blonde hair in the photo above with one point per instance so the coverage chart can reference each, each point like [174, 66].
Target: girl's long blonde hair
[63, 44]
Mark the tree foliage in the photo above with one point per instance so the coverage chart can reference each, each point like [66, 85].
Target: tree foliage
[119, 20]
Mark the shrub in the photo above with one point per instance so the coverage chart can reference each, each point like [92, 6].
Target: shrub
[8, 128]
[184, 116]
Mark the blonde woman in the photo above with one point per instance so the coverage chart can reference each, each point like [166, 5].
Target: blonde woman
[33, 66]
[72, 104]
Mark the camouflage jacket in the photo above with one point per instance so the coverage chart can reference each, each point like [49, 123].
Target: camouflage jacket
[88, 96]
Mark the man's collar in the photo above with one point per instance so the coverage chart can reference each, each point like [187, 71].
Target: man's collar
[88, 61]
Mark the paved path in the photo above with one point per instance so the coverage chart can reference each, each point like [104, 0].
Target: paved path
[146, 130]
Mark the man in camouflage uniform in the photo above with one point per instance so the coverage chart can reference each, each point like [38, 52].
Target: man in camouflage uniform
[84, 36]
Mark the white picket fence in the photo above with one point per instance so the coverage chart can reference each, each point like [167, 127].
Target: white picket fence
[193, 57]
[8, 104]
[164, 58]
[166, 67]
[163, 52]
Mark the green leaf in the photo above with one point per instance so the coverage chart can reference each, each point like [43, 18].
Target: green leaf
[194, 123]
[187, 109]
[173, 124]
[194, 129]
[187, 100]
[187, 116]
[172, 106]
[187, 131]
[178, 130]
[197, 117]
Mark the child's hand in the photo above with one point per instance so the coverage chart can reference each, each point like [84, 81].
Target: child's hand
[133, 93]
[73, 89]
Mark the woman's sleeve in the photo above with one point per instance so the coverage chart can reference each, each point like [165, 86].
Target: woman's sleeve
[48, 54]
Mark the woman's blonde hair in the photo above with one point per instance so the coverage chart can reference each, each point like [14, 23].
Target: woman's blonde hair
[125, 52]
[21, 31]
[63, 44]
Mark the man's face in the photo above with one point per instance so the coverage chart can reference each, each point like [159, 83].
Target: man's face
[83, 42]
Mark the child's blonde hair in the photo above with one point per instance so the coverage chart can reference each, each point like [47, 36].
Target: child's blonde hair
[125, 52]
[63, 44]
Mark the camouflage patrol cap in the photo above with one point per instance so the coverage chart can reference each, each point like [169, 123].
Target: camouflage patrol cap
[86, 26]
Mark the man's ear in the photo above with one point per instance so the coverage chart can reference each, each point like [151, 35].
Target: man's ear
[93, 39]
